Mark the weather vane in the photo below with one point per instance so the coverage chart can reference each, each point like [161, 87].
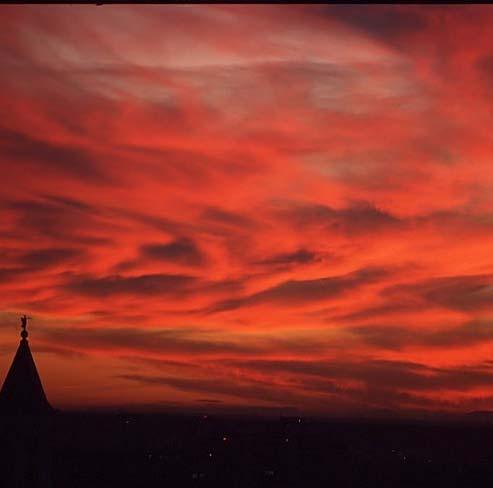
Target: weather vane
[24, 320]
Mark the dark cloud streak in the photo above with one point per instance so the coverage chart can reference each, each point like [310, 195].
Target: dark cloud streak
[305, 291]
[182, 251]
[43, 155]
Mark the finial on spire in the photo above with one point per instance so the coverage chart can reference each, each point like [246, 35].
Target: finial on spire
[24, 320]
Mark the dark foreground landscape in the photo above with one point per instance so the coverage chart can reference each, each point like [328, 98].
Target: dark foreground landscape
[102, 450]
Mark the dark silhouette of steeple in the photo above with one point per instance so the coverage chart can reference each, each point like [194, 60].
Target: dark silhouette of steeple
[22, 392]
[26, 423]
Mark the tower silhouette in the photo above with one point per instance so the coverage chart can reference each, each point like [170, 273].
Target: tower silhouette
[25, 422]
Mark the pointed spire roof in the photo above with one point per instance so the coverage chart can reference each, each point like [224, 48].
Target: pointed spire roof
[22, 391]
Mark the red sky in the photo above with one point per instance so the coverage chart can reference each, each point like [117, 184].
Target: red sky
[272, 206]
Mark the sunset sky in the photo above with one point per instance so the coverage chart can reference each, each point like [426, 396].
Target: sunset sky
[249, 206]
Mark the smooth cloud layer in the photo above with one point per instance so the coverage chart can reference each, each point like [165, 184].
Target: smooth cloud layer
[222, 204]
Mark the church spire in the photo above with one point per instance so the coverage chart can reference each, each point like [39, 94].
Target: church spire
[22, 391]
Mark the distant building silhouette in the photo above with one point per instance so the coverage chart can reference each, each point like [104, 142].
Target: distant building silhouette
[25, 423]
